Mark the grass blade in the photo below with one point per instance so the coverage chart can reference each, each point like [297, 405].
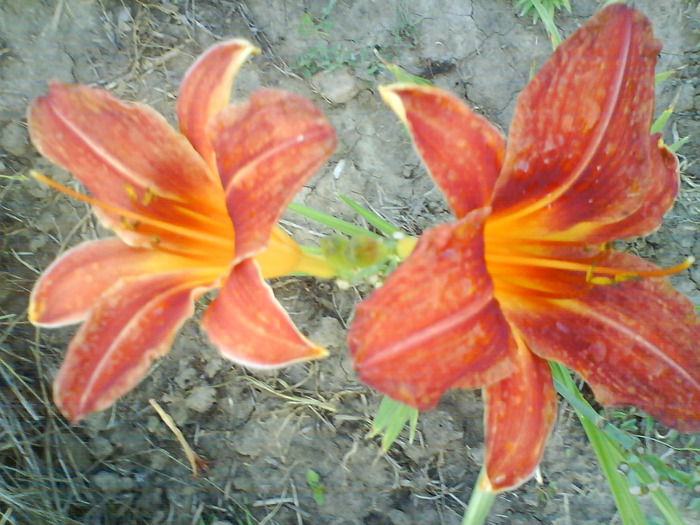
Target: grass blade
[392, 416]
[338, 225]
[383, 226]
[608, 453]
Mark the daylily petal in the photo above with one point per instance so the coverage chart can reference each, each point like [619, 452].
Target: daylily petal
[462, 150]
[249, 326]
[659, 199]
[206, 90]
[130, 325]
[72, 284]
[434, 324]
[129, 157]
[579, 149]
[520, 413]
[266, 150]
[636, 343]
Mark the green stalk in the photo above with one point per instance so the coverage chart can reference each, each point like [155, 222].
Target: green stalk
[609, 456]
[480, 503]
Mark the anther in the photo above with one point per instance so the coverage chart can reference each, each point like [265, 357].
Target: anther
[148, 197]
[131, 192]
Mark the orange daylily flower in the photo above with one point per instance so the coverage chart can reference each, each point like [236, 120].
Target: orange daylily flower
[525, 274]
[193, 210]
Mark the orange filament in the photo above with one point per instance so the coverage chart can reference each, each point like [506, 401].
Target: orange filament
[131, 220]
[517, 273]
[588, 269]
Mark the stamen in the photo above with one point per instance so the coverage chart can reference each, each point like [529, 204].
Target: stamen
[126, 214]
[593, 272]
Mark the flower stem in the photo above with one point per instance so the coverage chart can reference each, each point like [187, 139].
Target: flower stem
[480, 503]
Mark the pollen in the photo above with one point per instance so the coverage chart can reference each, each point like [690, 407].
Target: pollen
[148, 197]
[129, 224]
[131, 192]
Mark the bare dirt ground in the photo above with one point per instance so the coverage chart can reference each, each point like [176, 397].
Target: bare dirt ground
[260, 434]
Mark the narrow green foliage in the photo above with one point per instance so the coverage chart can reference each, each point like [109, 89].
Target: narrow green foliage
[606, 449]
[573, 396]
[313, 480]
[546, 14]
[403, 76]
[527, 7]
[648, 483]
[391, 418]
[660, 77]
[338, 225]
[629, 469]
[662, 119]
[383, 226]
[678, 144]
[544, 10]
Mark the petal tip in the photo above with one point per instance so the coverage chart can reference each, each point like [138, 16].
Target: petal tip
[393, 100]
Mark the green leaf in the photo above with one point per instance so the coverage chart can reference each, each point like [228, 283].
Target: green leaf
[662, 119]
[584, 409]
[313, 480]
[327, 220]
[660, 77]
[312, 477]
[678, 144]
[383, 226]
[403, 76]
[607, 450]
[658, 496]
[392, 416]
[547, 17]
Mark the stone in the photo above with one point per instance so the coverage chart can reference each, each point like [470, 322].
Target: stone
[111, 482]
[201, 398]
[338, 86]
[14, 139]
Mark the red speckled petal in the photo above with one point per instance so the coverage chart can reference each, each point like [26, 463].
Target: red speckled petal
[266, 150]
[249, 326]
[130, 325]
[72, 284]
[659, 199]
[520, 413]
[206, 90]
[129, 157]
[579, 148]
[462, 151]
[434, 324]
[636, 343]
